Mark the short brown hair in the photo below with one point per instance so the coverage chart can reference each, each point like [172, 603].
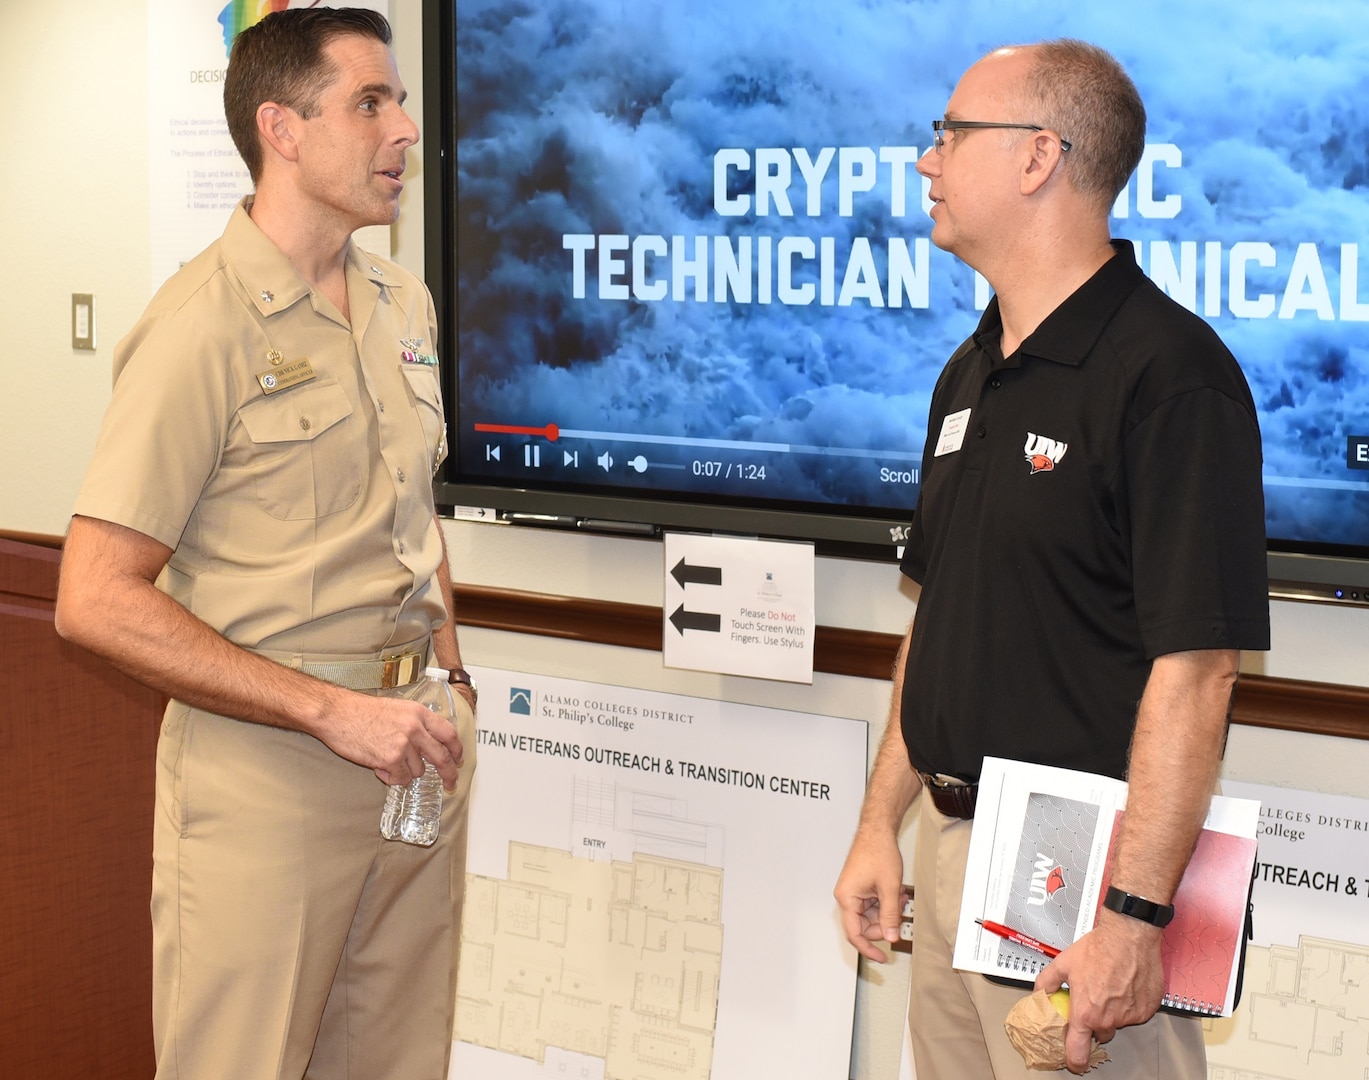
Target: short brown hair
[1084, 94]
[282, 59]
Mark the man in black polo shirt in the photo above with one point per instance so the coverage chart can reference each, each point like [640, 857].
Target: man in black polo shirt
[1090, 544]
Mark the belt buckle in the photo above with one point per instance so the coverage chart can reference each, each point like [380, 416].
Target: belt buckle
[398, 670]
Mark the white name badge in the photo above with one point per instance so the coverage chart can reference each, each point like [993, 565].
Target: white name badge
[952, 432]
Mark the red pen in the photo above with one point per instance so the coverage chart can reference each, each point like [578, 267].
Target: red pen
[1019, 938]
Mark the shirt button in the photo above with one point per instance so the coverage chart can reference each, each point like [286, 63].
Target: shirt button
[380, 405]
[401, 547]
[996, 383]
[981, 431]
[304, 423]
[400, 474]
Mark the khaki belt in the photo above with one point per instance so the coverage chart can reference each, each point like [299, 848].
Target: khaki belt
[953, 797]
[367, 674]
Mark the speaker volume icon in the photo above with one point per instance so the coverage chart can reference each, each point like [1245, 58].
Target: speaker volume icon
[605, 462]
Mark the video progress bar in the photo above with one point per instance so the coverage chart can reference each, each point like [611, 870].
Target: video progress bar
[1316, 482]
[739, 444]
[553, 432]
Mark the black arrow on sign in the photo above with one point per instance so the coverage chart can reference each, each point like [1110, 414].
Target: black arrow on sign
[695, 620]
[700, 575]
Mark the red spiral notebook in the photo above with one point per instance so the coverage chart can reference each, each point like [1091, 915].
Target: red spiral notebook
[1204, 942]
[1040, 862]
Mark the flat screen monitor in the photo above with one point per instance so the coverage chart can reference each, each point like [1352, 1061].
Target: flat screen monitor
[683, 255]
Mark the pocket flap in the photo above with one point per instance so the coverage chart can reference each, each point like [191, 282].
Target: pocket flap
[423, 382]
[296, 415]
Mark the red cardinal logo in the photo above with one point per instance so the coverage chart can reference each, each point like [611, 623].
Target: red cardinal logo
[1055, 881]
[1042, 453]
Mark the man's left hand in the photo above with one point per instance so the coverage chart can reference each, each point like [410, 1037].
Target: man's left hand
[1115, 978]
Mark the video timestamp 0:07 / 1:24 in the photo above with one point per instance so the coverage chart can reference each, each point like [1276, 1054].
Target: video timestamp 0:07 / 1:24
[729, 470]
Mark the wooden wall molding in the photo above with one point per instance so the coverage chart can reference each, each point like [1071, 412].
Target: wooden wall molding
[1261, 701]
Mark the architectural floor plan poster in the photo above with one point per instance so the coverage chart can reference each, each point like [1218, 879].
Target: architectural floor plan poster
[1304, 1010]
[649, 887]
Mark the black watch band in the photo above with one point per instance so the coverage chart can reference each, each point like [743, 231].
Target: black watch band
[1138, 907]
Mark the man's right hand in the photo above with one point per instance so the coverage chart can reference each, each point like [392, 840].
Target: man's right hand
[392, 737]
[108, 602]
[869, 892]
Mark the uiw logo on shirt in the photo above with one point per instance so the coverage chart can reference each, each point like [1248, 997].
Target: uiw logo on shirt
[1042, 453]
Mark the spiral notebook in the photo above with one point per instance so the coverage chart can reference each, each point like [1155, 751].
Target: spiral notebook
[1040, 862]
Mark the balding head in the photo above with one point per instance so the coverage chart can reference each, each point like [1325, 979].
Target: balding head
[1083, 94]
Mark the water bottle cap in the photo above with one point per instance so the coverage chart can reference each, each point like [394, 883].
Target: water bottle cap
[440, 674]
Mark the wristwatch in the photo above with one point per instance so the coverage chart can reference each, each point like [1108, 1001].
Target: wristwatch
[459, 676]
[1138, 907]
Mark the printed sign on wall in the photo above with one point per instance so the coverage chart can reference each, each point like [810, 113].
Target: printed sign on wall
[741, 607]
[649, 887]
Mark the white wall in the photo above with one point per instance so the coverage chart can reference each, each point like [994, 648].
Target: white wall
[75, 219]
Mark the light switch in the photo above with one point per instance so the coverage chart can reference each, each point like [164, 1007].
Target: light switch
[83, 321]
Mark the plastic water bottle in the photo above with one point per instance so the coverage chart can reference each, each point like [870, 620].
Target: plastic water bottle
[413, 811]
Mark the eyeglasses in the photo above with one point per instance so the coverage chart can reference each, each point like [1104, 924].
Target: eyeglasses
[940, 127]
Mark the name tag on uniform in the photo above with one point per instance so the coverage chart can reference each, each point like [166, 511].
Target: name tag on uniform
[952, 432]
[282, 378]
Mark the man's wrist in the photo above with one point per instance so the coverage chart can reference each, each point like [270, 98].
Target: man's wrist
[460, 678]
[1140, 908]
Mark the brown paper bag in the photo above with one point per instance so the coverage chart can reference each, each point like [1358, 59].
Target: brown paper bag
[1037, 1031]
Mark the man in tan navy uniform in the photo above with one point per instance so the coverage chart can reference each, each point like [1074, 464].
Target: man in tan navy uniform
[256, 538]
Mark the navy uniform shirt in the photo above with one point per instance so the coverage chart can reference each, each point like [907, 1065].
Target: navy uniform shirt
[300, 517]
[1087, 504]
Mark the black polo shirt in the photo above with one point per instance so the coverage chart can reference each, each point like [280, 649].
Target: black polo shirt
[1101, 505]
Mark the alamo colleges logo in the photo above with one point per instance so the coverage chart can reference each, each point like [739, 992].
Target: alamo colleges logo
[1043, 454]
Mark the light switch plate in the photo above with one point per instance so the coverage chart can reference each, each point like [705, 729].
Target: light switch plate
[83, 321]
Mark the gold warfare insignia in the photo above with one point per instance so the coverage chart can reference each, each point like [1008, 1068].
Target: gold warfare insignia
[292, 374]
[275, 358]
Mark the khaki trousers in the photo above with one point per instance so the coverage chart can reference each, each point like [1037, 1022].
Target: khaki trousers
[290, 940]
[956, 1018]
